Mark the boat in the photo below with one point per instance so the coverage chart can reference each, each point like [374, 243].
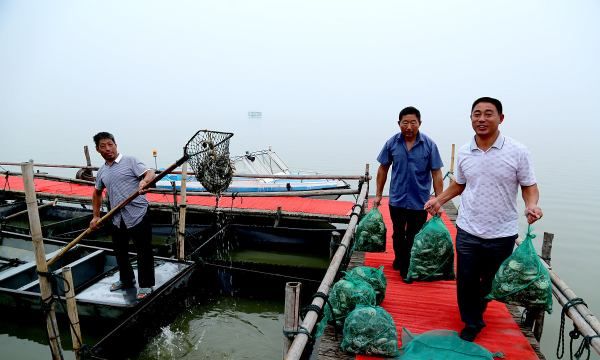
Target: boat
[261, 164]
[94, 269]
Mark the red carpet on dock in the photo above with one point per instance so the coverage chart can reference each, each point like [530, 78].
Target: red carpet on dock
[424, 306]
[291, 204]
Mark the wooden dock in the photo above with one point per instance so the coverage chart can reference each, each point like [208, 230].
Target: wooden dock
[504, 332]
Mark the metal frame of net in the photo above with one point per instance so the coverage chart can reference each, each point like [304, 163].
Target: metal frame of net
[208, 156]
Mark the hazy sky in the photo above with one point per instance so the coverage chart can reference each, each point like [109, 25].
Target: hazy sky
[329, 76]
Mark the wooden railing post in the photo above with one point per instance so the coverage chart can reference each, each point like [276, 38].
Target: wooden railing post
[182, 211]
[72, 312]
[291, 313]
[334, 243]
[40, 258]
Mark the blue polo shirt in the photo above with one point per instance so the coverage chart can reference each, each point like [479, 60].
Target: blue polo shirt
[410, 184]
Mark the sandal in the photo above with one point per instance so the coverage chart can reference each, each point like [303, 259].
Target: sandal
[119, 285]
[143, 292]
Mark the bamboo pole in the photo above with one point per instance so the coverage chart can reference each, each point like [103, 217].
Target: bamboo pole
[242, 175]
[40, 258]
[182, 206]
[72, 311]
[366, 183]
[291, 312]
[452, 159]
[52, 203]
[201, 208]
[53, 166]
[86, 152]
[311, 317]
[578, 320]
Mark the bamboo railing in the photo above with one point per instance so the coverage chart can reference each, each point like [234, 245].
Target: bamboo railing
[297, 348]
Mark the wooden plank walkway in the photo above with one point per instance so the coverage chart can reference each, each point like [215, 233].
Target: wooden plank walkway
[423, 306]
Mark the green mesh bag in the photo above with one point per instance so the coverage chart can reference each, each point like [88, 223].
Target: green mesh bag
[345, 295]
[441, 345]
[432, 253]
[375, 277]
[371, 232]
[522, 279]
[370, 330]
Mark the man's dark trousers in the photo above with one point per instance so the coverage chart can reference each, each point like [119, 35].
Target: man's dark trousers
[477, 262]
[407, 224]
[142, 238]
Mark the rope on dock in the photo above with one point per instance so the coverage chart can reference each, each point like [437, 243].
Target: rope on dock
[573, 334]
[46, 304]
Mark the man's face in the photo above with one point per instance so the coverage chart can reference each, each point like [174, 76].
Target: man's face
[108, 149]
[409, 126]
[485, 119]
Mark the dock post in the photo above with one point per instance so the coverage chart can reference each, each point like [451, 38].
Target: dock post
[182, 208]
[334, 243]
[291, 313]
[546, 256]
[72, 311]
[40, 258]
[365, 204]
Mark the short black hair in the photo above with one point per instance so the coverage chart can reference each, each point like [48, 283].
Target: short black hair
[410, 110]
[103, 135]
[490, 100]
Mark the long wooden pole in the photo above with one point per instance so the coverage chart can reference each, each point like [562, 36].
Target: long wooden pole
[201, 208]
[40, 257]
[312, 316]
[182, 206]
[242, 175]
[291, 312]
[72, 312]
[52, 203]
[452, 160]
[113, 211]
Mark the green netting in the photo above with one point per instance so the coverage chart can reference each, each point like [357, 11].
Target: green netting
[345, 295]
[370, 232]
[522, 279]
[441, 345]
[375, 277]
[432, 253]
[370, 330]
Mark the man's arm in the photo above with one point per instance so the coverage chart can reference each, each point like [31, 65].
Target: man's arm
[434, 204]
[438, 181]
[96, 202]
[382, 173]
[148, 177]
[531, 196]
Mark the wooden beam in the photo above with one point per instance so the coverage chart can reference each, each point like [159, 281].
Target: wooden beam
[40, 259]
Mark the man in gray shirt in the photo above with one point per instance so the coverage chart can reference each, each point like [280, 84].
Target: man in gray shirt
[121, 176]
[490, 170]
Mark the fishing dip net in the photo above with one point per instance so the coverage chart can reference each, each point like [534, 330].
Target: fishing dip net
[441, 344]
[208, 156]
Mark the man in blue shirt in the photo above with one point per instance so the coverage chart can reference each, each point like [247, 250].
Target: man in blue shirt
[415, 162]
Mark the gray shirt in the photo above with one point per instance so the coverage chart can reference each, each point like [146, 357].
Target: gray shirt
[121, 179]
